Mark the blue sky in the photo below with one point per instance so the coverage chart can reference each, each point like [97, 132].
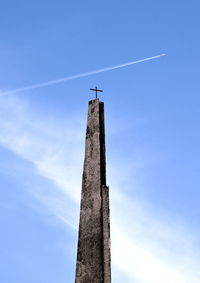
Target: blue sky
[152, 139]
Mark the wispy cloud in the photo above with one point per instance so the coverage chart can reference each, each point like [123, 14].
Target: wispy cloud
[147, 245]
[154, 247]
[52, 148]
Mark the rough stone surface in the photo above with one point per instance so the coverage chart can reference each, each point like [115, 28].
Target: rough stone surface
[93, 258]
[106, 234]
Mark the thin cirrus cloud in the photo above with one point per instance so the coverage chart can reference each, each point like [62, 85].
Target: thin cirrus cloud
[153, 250]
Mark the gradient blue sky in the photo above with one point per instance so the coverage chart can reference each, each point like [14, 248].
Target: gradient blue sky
[152, 136]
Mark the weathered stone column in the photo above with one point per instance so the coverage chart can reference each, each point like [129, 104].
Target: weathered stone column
[93, 257]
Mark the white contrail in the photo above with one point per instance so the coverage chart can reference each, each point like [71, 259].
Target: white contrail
[57, 81]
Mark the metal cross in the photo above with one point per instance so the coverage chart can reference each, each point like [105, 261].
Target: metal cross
[96, 90]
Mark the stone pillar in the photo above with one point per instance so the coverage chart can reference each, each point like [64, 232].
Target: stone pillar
[106, 234]
[93, 257]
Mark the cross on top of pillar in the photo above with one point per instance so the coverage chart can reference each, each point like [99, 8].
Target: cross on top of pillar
[96, 90]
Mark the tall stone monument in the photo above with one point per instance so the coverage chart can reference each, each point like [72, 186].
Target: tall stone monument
[93, 257]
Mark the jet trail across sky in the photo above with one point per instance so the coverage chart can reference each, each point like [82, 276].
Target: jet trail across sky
[57, 81]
